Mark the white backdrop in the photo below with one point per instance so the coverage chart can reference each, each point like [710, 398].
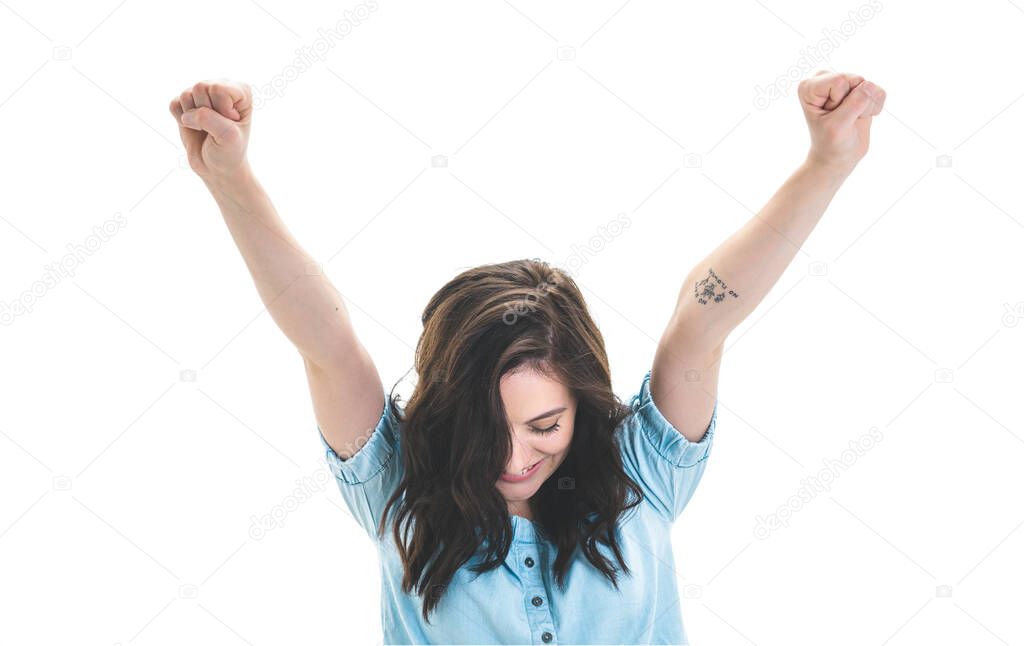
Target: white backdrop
[154, 416]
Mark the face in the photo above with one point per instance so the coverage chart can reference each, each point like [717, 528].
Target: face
[541, 411]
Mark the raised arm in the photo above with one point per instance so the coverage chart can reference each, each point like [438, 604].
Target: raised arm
[727, 285]
[214, 119]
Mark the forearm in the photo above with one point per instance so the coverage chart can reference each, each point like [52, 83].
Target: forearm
[300, 299]
[727, 285]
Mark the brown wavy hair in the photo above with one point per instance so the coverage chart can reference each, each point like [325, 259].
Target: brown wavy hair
[456, 440]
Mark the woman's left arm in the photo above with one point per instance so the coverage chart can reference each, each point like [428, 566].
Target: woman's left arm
[728, 284]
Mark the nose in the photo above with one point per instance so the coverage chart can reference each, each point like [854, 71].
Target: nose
[522, 456]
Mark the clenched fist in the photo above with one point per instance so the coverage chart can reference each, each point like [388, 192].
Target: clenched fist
[213, 121]
[838, 108]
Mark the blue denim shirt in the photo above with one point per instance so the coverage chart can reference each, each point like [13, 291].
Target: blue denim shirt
[520, 603]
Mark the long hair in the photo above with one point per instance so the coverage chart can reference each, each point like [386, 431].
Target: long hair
[456, 439]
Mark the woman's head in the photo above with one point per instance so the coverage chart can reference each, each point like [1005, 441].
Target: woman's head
[501, 345]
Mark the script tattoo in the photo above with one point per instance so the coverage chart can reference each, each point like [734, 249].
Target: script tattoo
[712, 289]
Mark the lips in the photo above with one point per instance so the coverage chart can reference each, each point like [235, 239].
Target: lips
[520, 478]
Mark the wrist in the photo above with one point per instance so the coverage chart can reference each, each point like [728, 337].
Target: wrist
[236, 183]
[834, 171]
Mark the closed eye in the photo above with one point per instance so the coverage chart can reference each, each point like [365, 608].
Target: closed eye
[551, 429]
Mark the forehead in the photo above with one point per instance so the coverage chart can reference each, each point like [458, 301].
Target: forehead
[528, 393]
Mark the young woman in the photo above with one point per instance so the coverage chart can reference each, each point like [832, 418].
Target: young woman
[515, 498]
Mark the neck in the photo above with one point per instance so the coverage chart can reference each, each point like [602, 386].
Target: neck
[521, 508]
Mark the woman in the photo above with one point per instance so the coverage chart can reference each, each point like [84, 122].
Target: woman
[515, 498]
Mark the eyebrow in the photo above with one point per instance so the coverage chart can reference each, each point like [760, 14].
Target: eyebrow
[547, 414]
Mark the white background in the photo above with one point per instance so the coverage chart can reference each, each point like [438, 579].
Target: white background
[129, 493]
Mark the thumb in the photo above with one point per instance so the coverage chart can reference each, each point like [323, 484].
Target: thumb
[859, 102]
[222, 129]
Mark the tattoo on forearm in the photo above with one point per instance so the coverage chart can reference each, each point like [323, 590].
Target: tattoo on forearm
[712, 289]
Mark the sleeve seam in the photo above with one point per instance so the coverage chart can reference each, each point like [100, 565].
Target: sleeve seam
[342, 476]
[342, 469]
[685, 444]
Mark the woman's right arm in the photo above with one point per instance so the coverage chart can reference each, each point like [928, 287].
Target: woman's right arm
[214, 119]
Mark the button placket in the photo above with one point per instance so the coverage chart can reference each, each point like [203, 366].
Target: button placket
[542, 625]
[524, 557]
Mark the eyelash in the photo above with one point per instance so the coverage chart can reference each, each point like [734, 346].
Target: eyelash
[545, 431]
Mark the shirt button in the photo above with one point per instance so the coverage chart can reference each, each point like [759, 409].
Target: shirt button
[537, 601]
[545, 636]
[528, 561]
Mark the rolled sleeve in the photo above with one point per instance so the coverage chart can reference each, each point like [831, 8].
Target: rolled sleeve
[666, 465]
[369, 476]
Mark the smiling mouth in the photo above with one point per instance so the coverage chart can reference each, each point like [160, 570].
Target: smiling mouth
[516, 476]
[523, 472]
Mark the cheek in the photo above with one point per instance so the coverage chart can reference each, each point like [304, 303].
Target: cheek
[558, 444]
